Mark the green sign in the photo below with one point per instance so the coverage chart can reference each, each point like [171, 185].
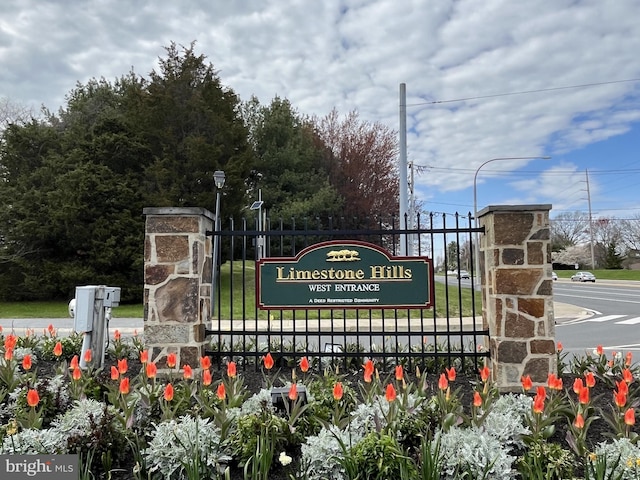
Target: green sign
[344, 274]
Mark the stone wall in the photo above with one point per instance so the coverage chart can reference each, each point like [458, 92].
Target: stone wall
[177, 276]
[517, 296]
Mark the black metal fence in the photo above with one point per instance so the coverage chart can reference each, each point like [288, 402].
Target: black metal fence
[449, 333]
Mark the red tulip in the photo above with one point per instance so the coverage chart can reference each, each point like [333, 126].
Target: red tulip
[77, 374]
[293, 391]
[206, 377]
[168, 392]
[221, 393]
[187, 372]
[144, 356]
[477, 399]
[627, 376]
[87, 356]
[538, 404]
[484, 373]
[630, 416]
[620, 398]
[268, 361]
[304, 365]
[390, 393]
[399, 373]
[57, 350]
[338, 391]
[451, 373]
[33, 398]
[205, 362]
[579, 421]
[117, 335]
[443, 384]
[590, 379]
[368, 371]
[26, 362]
[114, 373]
[124, 386]
[74, 363]
[171, 360]
[231, 369]
[151, 370]
[122, 366]
[577, 386]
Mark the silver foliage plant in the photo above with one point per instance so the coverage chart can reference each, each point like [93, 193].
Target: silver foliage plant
[622, 458]
[178, 444]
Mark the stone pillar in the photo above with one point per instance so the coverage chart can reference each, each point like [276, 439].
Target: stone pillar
[517, 306]
[177, 283]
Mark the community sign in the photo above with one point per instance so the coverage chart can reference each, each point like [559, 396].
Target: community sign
[344, 274]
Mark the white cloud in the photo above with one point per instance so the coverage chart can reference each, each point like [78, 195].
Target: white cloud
[353, 54]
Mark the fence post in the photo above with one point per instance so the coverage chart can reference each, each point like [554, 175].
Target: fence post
[177, 283]
[517, 307]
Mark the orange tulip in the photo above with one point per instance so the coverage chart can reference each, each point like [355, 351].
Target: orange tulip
[577, 386]
[338, 391]
[168, 392]
[527, 383]
[541, 392]
[122, 366]
[124, 386]
[57, 350]
[368, 370]
[10, 342]
[33, 398]
[590, 379]
[579, 421]
[151, 370]
[293, 391]
[443, 384]
[144, 356]
[623, 387]
[599, 350]
[485, 373]
[77, 374]
[630, 416]
[114, 373]
[206, 377]
[620, 398]
[268, 361]
[559, 347]
[627, 376]
[304, 365]
[399, 373]
[231, 369]
[390, 393]
[451, 373]
[205, 362]
[477, 399]
[583, 396]
[87, 356]
[627, 360]
[74, 362]
[117, 336]
[187, 372]
[51, 329]
[221, 393]
[538, 404]
[26, 362]
[171, 360]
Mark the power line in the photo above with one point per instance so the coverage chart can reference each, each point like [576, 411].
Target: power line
[524, 92]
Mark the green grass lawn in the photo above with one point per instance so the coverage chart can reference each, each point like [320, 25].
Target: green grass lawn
[59, 309]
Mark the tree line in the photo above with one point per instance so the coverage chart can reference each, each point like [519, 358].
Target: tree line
[75, 181]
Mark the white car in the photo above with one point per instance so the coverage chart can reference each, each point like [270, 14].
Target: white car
[464, 274]
[583, 277]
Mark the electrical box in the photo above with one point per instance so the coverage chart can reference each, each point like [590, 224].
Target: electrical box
[85, 299]
[111, 296]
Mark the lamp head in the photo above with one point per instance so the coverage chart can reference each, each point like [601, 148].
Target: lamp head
[218, 178]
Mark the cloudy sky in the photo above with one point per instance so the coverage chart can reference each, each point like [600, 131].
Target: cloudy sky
[484, 79]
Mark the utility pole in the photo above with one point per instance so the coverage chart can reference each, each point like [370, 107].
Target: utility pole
[405, 246]
[593, 262]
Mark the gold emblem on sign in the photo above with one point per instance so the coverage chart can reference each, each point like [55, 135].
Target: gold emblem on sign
[343, 256]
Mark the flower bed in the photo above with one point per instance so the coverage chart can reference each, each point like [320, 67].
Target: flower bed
[206, 421]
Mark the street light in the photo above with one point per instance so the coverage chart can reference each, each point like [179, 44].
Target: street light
[218, 178]
[475, 199]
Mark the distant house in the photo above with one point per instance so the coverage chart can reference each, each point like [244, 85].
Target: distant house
[632, 262]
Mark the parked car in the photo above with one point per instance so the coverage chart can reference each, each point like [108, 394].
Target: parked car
[554, 276]
[583, 277]
[464, 274]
